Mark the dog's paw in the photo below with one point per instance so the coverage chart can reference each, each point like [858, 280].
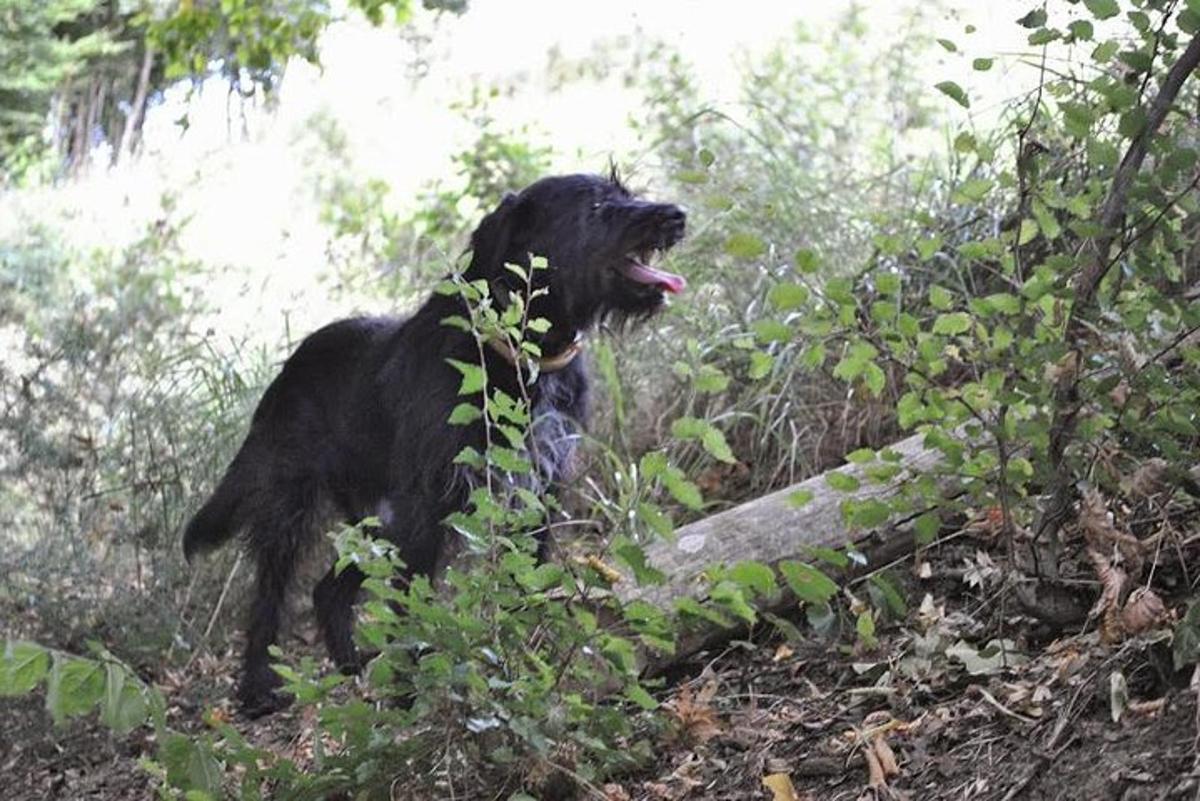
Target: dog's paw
[258, 694]
[357, 663]
[256, 705]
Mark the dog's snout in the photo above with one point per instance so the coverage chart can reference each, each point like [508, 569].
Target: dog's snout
[673, 219]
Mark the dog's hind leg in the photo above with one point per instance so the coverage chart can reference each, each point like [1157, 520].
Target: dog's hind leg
[277, 539]
[333, 601]
[257, 689]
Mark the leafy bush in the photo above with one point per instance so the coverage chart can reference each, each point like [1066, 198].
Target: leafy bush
[109, 389]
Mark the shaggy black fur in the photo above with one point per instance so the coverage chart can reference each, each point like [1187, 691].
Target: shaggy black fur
[355, 423]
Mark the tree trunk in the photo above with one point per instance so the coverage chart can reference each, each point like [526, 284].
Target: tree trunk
[1086, 286]
[770, 529]
[131, 134]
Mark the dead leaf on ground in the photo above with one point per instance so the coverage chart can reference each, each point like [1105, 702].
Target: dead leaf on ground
[780, 785]
[1148, 479]
[1107, 606]
[1143, 611]
[1147, 709]
[1102, 534]
[878, 754]
[694, 712]
[615, 792]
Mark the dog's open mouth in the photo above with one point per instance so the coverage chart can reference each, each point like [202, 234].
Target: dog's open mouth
[637, 268]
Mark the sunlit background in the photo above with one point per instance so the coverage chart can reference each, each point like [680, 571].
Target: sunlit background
[400, 101]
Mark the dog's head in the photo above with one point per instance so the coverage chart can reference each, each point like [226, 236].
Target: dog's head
[599, 239]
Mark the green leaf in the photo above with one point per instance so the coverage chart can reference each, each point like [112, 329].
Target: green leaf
[1044, 36]
[1046, 220]
[910, 410]
[658, 522]
[745, 245]
[690, 606]
[926, 527]
[800, 497]
[123, 707]
[814, 356]
[1186, 642]
[683, 490]
[638, 694]
[509, 460]
[75, 687]
[653, 464]
[887, 283]
[730, 596]
[1105, 51]
[634, 556]
[807, 261]
[830, 556]
[874, 378]
[940, 298]
[871, 513]
[190, 765]
[464, 413]
[1027, 233]
[754, 576]
[786, 297]
[473, 375]
[948, 45]
[982, 64]
[709, 436]
[1034, 19]
[1077, 119]
[760, 365]
[1081, 30]
[710, 380]
[23, 666]
[842, 482]
[1004, 303]
[1103, 9]
[864, 627]
[952, 323]
[954, 92]
[809, 584]
[972, 190]
[861, 456]
[771, 331]
[892, 598]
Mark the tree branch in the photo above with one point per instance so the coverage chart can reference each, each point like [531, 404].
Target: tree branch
[1087, 282]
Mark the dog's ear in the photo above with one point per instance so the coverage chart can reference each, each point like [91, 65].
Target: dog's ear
[493, 240]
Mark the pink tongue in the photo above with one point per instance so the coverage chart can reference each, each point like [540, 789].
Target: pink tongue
[643, 274]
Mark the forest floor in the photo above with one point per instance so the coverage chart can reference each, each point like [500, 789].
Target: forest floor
[922, 716]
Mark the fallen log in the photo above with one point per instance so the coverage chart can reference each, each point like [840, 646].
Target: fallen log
[771, 528]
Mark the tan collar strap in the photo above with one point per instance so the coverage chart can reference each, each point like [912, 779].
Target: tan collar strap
[547, 364]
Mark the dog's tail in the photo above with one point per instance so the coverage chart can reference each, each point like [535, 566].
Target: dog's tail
[219, 518]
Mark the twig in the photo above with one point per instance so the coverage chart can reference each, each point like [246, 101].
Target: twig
[212, 621]
[986, 696]
[1087, 282]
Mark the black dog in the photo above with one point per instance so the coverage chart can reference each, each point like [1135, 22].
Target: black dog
[355, 423]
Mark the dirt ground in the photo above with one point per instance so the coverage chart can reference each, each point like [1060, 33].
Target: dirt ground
[1059, 715]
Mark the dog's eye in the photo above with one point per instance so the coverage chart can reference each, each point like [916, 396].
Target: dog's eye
[596, 206]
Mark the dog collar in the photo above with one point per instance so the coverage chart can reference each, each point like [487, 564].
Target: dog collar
[547, 364]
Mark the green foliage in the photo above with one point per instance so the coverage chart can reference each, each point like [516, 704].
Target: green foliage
[117, 407]
[496, 163]
[253, 39]
[790, 183]
[76, 686]
[43, 46]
